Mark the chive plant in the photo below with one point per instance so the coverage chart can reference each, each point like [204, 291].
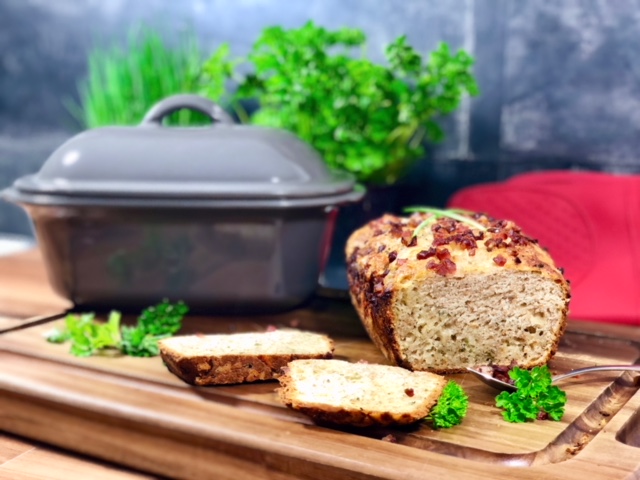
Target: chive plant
[123, 83]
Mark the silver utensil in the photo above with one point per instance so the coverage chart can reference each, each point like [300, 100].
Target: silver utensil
[500, 385]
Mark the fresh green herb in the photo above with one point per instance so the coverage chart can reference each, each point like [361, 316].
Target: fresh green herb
[215, 75]
[535, 397]
[154, 324]
[451, 408]
[89, 337]
[58, 335]
[123, 83]
[362, 117]
[436, 213]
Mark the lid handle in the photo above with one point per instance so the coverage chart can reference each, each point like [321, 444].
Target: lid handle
[174, 103]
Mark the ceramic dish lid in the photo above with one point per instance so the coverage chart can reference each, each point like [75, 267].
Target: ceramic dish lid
[221, 162]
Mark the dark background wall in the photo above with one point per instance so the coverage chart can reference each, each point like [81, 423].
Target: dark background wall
[560, 80]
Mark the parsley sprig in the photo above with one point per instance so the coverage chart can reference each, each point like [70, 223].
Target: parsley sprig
[88, 336]
[154, 323]
[451, 408]
[535, 397]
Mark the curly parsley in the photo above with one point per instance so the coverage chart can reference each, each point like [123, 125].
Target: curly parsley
[154, 323]
[451, 408]
[535, 398]
[88, 337]
[364, 117]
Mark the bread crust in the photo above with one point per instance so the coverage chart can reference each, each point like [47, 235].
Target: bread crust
[384, 257]
[230, 369]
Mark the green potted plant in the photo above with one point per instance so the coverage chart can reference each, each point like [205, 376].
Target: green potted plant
[369, 119]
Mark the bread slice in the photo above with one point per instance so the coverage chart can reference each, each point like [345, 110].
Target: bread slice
[456, 295]
[240, 357]
[359, 394]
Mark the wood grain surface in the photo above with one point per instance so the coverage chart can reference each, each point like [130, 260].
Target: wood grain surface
[22, 459]
[25, 297]
[133, 412]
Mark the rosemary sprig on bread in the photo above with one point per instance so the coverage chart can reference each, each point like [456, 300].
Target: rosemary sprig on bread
[460, 215]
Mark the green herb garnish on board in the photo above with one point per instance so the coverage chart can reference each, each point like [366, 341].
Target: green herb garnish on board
[451, 408]
[88, 336]
[535, 397]
[436, 213]
[154, 324]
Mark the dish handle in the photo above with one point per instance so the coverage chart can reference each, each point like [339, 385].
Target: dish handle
[174, 103]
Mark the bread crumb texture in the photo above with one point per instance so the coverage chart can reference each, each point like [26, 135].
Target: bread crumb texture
[240, 357]
[455, 295]
[359, 394]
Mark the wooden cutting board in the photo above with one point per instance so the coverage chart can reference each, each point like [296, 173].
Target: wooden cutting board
[132, 411]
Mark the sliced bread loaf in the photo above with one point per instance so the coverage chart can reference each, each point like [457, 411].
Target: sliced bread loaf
[240, 357]
[440, 294]
[359, 394]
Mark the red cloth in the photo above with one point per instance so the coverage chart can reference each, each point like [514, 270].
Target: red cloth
[589, 222]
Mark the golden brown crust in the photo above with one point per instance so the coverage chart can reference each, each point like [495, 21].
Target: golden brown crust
[374, 309]
[240, 358]
[229, 369]
[385, 256]
[358, 418]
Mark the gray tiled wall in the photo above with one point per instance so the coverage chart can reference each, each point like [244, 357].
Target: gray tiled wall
[572, 79]
[560, 80]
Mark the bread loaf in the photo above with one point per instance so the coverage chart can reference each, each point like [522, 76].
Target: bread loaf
[240, 357]
[359, 394]
[453, 294]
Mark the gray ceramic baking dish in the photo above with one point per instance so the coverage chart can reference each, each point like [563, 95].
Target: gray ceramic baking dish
[226, 217]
